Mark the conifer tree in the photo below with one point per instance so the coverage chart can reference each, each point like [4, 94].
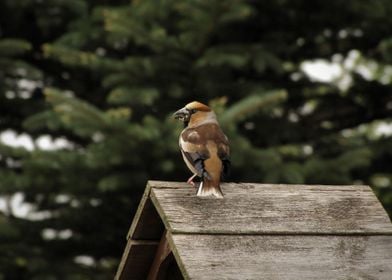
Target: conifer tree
[105, 76]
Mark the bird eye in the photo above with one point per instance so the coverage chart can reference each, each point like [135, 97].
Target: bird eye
[193, 111]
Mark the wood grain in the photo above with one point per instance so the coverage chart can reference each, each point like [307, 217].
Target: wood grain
[160, 264]
[271, 209]
[146, 224]
[136, 260]
[283, 257]
[262, 231]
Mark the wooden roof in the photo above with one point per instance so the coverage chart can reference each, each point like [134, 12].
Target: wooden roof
[259, 231]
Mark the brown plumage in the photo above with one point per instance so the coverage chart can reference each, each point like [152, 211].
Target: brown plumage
[204, 147]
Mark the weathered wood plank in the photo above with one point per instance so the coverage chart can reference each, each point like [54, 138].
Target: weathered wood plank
[283, 257]
[160, 264]
[136, 260]
[272, 209]
[143, 238]
[146, 223]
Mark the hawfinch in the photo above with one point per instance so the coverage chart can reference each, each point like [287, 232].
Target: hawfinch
[204, 147]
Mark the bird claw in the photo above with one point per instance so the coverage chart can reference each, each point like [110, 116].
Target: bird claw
[190, 181]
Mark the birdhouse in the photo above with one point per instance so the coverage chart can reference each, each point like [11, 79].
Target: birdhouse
[258, 231]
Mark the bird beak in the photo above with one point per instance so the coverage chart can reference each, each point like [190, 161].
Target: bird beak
[181, 114]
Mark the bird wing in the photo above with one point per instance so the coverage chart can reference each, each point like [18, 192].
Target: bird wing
[194, 152]
[224, 155]
[193, 144]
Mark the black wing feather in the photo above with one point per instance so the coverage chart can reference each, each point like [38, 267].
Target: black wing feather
[197, 159]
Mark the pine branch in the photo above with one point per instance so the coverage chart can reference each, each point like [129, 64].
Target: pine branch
[252, 105]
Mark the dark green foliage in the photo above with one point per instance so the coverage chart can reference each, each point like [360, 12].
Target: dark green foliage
[107, 75]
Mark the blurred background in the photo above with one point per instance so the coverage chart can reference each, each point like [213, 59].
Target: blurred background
[87, 89]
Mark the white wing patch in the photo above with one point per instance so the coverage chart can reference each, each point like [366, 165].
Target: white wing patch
[193, 136]
[188, 146]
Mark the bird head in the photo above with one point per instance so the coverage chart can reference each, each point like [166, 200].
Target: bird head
[193, 112]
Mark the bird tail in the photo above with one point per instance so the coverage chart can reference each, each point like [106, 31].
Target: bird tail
[209, 188]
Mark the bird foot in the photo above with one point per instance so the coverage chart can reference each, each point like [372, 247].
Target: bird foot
[190, 181]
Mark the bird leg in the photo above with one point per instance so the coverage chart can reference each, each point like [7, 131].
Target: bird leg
[190, 180]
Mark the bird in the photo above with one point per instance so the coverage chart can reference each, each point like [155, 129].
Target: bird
[204, 147]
